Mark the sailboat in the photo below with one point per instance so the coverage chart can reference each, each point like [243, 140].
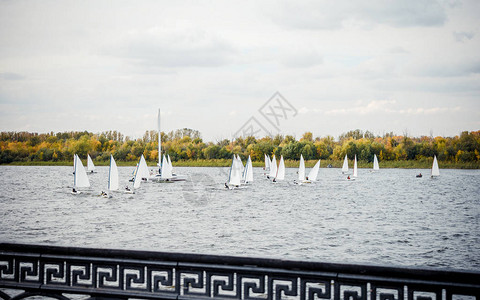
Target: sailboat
[240, 164]
[281, 170]
[267, 163]
[234, 176]
[435, 169]
[301, 171]
[170, 163]
[143, 169]
[312, 175]
[112, 177]
[355, 171]
[159, 177]
[248, 171]
[139, 172]
[80, 178]
[345, 165]
[166, 170]
[273, 168]
[375, 163]
[90, 165]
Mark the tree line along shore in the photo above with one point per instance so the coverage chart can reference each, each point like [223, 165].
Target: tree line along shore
[186, 148]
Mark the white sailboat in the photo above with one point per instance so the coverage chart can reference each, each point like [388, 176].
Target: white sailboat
[166, 169]
[376, 167]
[170, 163]
[136, 179]
[267, 163]
[234, 176]
[355, 171]
[112, 177]
[281, 170]
[90, 165]
[141, 173]
[159, 177]
[435, 169]
[273, 168]
[248, 171]
[143, 169]
[240, 164]
[312, 175]
[345, 165]
[80, 178]
[301, 171]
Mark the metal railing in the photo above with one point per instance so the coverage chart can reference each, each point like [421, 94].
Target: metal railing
[65, 272]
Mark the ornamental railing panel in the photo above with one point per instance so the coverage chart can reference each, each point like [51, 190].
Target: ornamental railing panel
[73, 273]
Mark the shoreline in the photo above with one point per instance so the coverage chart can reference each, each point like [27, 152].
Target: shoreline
[288, 163]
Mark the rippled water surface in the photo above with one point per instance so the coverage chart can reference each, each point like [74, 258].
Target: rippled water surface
[388, 217]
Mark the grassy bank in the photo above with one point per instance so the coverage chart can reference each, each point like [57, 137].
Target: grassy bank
[408, 164]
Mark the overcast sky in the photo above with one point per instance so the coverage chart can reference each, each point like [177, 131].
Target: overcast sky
[380, 65]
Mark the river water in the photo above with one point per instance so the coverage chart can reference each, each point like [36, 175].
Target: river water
[383, 218]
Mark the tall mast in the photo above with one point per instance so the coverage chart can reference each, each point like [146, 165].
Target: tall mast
[159, 141]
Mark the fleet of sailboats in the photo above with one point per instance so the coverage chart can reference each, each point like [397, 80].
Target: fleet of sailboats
[239, 174]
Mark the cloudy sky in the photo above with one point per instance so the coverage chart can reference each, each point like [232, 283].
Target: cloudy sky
[380, 65]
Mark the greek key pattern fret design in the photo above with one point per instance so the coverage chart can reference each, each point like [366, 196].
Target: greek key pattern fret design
[130, 278]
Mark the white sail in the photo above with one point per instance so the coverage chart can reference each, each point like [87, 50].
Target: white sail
[166, 169]
[80, 178]
[170, 164]
[281, 170]
[273, 167]
[435, 169]
[113, 175]
[137, 178]
[159, 141]
[355, 167]
[312, 175]
[143, 168]
[90, 165]
[345, 164]
[234, 176]
[267, 162]
[240, 164]
[249, 170]
[301, 169]
[247, 175]
[375, 163]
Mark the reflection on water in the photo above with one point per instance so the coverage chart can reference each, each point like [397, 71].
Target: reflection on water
[388, 217]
